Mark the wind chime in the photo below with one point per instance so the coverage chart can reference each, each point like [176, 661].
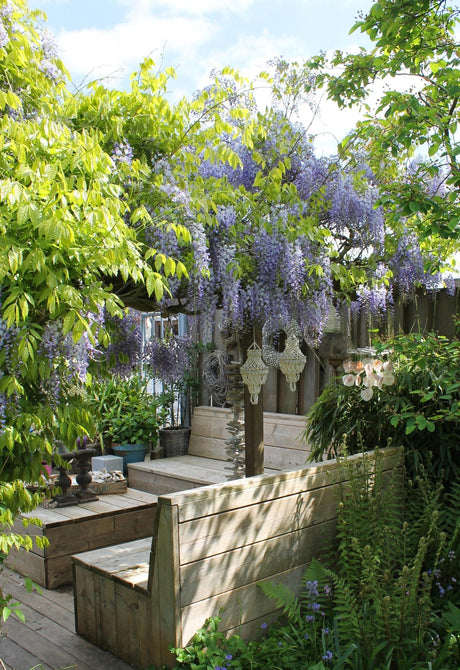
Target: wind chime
[254, 371]
[235, 446]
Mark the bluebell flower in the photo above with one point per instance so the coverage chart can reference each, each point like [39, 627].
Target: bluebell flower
[328, 656]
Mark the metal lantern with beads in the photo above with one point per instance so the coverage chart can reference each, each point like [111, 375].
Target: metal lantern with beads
[292, 361]
[254, 372]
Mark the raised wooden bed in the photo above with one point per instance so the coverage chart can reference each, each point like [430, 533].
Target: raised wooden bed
[207, 460]
[211, 547]
[111, 519]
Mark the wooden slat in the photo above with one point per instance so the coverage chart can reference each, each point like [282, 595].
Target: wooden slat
[85, 603]
[111, 559]
[207, 447]
[29, 564]
[196, 465]
[104, 597]
[251, 562]
[219, 533]
[220, 497]
[162, 483]
[284, 459]
[166, 551]
[251, 600]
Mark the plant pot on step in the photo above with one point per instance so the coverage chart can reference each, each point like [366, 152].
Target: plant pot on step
[174, 440]
[131, 453]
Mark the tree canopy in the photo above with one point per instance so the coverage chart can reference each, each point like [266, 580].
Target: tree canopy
[120, 198]
[410, 135]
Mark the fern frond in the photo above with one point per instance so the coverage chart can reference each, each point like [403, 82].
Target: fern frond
[285, 598]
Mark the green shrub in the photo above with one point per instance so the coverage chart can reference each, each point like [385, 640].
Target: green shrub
[420, 411]
[125, 411]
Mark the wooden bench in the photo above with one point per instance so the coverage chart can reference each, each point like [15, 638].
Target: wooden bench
[111, 519]
[207, 460]
[211, 547]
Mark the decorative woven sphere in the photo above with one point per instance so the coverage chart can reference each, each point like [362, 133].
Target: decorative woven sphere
[254, 372]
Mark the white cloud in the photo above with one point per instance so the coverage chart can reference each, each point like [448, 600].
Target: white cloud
[196, 7]
[118, 50]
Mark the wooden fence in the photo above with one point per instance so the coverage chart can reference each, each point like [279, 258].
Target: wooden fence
[426, 313]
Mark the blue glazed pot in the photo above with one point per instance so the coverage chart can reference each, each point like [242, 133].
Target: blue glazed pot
[131, 453]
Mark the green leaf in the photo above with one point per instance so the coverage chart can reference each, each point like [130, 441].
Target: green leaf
[68, 322]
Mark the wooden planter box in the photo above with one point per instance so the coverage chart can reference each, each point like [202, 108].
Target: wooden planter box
[114, 518]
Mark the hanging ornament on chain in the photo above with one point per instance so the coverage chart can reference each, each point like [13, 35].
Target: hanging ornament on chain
[292, 361]
[254, 372]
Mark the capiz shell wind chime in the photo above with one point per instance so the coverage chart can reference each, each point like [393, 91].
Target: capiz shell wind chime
[254, 372]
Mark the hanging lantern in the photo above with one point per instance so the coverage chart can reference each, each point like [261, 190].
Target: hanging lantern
[334, 322]
[292, 361]
[254, 372]
[334, 343]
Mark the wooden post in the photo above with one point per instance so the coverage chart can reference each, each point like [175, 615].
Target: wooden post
[253, 421]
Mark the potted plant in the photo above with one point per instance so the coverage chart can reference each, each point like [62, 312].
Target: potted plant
[172, 361]
[126, 417]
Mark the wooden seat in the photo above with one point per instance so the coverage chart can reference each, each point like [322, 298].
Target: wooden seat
[211, 548]
[112, 519]
[208, 459]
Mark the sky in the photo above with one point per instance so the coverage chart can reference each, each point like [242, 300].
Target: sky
[109, 38]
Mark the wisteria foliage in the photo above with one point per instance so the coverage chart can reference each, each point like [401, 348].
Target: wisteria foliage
[227, 206]
[277, 255]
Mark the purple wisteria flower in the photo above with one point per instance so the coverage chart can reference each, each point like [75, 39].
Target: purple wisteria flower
[4, 37]
[169, 359]
[124, 353]
[122, 152]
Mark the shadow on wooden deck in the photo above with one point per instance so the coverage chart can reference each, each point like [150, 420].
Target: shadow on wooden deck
[47, 640]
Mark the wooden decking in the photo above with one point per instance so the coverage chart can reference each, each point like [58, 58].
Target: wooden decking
[47, 640]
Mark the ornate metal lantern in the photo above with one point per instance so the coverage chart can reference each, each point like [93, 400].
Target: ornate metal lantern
[292, 361]
[254, 372]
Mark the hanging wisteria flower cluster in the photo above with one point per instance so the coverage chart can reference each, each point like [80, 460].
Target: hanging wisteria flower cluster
[281, 257]
[368, 374]
[171, 360]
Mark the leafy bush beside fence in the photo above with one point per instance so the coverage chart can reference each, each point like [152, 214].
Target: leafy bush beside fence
[420, 411]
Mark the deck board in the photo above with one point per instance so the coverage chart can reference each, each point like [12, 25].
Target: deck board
[48, 638]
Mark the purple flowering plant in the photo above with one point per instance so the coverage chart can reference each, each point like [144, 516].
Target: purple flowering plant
[172, 361]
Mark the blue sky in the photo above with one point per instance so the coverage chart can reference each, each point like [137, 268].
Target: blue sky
[102, 38]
